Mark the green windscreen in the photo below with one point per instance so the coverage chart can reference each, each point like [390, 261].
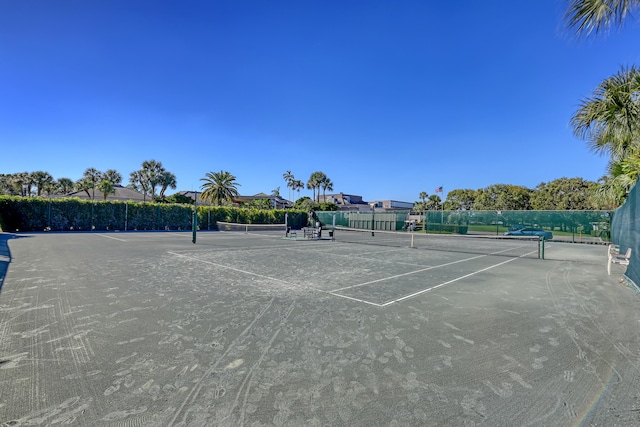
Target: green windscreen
[574, 226]
[625, 231]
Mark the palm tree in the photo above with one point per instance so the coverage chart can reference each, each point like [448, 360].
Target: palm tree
[314, 182]
[21, 183]
[113, 176]
[219, 187]
[588, 17]
[609, 120]
[138, 181]
[326, 184]
[289, 178]
[93, 176]
[434, 202]
[84, 184]
[423, 196]
[297, 185]
[41, 180]
[65, 185]
[152, 170]
[106, 187]
[167, 180]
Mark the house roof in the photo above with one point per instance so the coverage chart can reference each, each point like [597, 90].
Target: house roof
[121, 193]
[277, 200]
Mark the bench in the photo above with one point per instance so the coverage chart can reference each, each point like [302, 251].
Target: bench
[615, 257]
[310, 233]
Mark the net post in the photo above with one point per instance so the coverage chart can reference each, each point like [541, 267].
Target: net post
[412, 241]
[194, 226]
[194, 221]
[542, 247]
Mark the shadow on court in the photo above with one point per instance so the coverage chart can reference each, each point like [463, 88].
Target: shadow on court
[5, 255]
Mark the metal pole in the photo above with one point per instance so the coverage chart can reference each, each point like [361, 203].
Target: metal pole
[373, 212]
[194, 222]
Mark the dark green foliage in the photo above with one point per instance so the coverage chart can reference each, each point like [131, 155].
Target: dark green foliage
[306, 204]
[41, 214]
[175, 198]
[209, 215]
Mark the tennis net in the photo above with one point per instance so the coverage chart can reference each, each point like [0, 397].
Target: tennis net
[508, 246]
[275, 229]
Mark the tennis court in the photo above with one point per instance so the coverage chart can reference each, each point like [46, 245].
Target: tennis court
[253, 328]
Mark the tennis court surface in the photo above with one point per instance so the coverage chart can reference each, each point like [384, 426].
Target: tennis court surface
[255, 329]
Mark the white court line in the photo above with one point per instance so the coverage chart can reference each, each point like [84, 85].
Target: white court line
[445, 283]
[333, 293]
[262, 276]
[406, 274]
[355, 299]
[109, 237]
[235, 269]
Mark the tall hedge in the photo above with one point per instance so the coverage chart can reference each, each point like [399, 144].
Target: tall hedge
[73, 214]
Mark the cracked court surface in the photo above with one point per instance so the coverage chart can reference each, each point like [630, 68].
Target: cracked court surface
[149, 329]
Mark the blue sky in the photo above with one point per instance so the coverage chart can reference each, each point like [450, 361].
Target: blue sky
[387, 98]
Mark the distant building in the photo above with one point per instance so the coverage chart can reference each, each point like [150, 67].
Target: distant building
[346, 202]
[191, 195]
[391, 205]
[350, 202]
[276, 201]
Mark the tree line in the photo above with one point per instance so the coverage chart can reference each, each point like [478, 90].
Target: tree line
[221, 188]
[559, 194]
[152, 180]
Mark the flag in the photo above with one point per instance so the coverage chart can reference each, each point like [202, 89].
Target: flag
[439, 189]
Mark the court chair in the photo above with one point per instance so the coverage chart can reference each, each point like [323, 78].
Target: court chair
[615, 257]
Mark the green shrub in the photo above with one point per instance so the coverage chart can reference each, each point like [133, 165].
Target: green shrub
[73, 214]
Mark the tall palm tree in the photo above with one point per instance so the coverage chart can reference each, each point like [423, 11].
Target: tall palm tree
[41, 180]
[84, 184]
[592, 17]
[106, 187]
[289, 178]
[152, 170]
[314, 183]
[21, 183]
[65, 185]
[167, 180]
[297, 185]
[434, 202]
[138, 181]
[219, 187]
[609, 120]
[93, 176]
[423, 196]
[326, 184]
[113, 176]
